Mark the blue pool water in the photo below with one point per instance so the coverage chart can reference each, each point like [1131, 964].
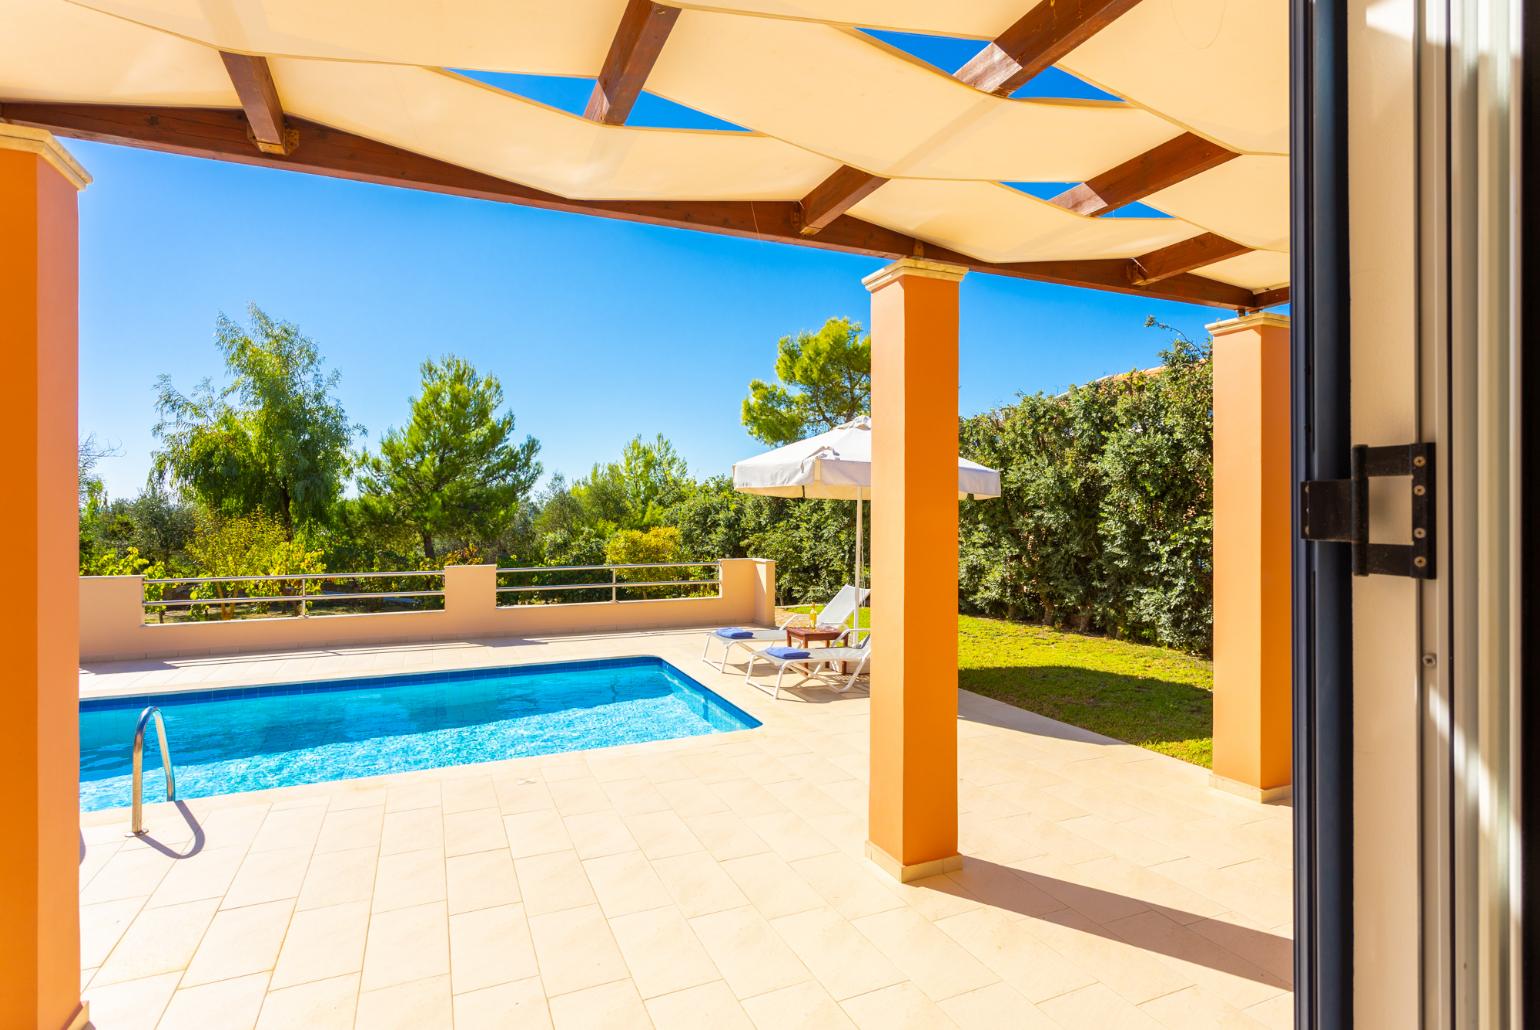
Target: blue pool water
[252, 738]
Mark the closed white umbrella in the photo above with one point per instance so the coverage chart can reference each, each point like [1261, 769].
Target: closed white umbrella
[837, 465]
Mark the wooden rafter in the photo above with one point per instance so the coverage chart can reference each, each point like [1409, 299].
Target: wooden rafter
[834, 196]
[1166, 165]
[253, 81]
[1267, 298]
[1184, 257]
[221, 135]
[643, 29]
[1043, 36]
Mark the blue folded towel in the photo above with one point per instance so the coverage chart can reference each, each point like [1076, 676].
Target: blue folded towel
[735, 633]
[787, 653]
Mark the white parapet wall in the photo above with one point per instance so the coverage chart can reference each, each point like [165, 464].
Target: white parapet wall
[112, 625]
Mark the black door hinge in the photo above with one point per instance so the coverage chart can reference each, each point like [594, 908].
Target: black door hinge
[1337, 510]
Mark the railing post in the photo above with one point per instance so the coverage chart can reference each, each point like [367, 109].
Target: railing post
[614, 585]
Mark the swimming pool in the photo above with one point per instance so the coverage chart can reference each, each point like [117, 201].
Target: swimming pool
[251, 738]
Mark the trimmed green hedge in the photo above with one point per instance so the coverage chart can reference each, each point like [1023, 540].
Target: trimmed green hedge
[1106, 521]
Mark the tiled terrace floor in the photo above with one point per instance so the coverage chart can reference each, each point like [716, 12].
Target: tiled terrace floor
[712, 882]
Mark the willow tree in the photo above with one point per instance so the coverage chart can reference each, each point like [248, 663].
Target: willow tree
[274, 438]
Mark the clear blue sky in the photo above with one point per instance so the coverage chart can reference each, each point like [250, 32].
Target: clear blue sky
[599, 330]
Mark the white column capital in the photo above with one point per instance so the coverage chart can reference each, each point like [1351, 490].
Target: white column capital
[1255, 320]
[920, 268]
[42, 143]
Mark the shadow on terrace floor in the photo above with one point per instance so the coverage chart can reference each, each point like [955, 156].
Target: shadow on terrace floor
[1229, 948]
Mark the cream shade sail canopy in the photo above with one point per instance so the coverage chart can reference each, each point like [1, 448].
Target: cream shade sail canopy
[850, 143]
[837, 465]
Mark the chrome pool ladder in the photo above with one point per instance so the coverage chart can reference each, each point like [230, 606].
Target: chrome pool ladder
[165, 760]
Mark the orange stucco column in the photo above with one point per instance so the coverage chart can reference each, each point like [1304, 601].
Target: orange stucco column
[1253, 488]
[39, 764]
[913, 802]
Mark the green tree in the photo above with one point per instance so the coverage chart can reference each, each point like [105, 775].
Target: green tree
[824, 380]
[275, 437]
[455, 472]
[248, 545]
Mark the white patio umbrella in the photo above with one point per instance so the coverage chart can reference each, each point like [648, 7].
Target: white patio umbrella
[837, 465]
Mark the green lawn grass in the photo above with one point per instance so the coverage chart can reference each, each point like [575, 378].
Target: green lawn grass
[1150, 696]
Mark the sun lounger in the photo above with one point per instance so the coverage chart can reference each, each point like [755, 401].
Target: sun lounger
[809, 661]
[839, 611]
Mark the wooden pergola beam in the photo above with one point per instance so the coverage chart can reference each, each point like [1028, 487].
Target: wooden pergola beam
[834, 196]
[253, 81]
[1184, 256]
[644, 27]
[1138, 177]
[220, 135]
[1267, 298]
[1042, 37]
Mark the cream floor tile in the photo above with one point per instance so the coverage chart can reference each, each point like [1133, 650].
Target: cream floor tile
[339, 876]
[322, 944]
[406, 944]
[635, 796]
[853, 888]
[264, 876]
[101, 927]
[1276, 1013]
[1135, 973]
[517, 795]
[699, 884]
[841, 959]
[284, 829]
[479, 829]
[1206, 964]
[129, 873]
[409, 878]
[552, 882]
[413, 829]
[224, 1005]
[725, 834]
[994, 1007]
[936, 963]
[751, 955]
[690, 797]
[319, 1005]
[481, 880]
[612, 1006]
[596, 834]
[351, 828]
[899, 1007]
[1096, 1006]
[625, 883]
[575, 950]
[662, 834]
[521, 1004]
[1196, 1009]
[579, 796]
[239, 942]
[711, 1006]
[468, 793]
[537, 832]
[415, 1005]
[131, 1004]
[804, 1005]
[790, 836]
[208, 874]
[490, 946]
[159, 940]
[422, 792]
[771, 885]
[663, 953]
